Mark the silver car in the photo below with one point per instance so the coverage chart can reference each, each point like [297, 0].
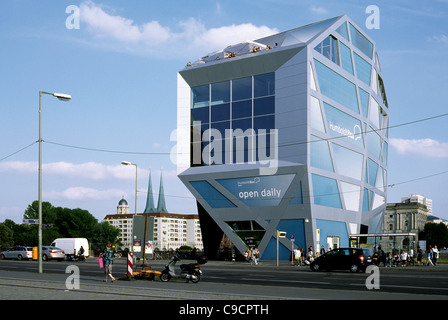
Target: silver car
[17, 252]
[49, 253]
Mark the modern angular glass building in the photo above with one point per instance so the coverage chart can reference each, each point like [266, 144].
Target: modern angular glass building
[287, 133]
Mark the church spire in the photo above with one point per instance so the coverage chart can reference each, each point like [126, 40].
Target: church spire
[149, 198]
[161, 207]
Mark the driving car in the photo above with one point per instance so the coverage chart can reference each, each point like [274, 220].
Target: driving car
[49, 253]
[17, 252]
[353, 259]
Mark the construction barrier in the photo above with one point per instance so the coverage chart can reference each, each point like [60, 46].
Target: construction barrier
[130, 265]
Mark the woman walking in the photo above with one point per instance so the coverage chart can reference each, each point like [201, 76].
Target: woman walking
[108, 257]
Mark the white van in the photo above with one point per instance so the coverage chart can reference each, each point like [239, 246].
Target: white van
[72, 245]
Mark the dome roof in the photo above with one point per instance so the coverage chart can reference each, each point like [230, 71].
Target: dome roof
[123, 202]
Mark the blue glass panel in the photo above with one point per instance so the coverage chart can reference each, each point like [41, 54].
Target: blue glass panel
[242, 109]
[221, 112]
[320, 154]
[221, 126]
[263, 106]
[213, 197]
[264, 85]
[365, 201]
[342, 125]
[265, 122]
[373, 170]
[328, 48]
[242, 89]
[298, 196]
[363, 69]
[374, 143]
[242, 124]
[342, 30]
[364, 99]
[326, 192]
[200, 96]
[200, 114]
[346, 57]
[361, 42]
[220, 92]
[348, 162]
[336, 87]
[385, 148]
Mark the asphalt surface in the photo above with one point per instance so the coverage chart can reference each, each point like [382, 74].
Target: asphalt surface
[222, 281]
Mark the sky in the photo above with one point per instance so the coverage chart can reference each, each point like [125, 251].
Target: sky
[120, 64]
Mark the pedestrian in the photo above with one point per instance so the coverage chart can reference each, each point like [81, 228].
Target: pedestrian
[428, 257]
[108, 257]
[419, 255]
[297, 256]
[435, 255]
[404, 258]
[322, 250]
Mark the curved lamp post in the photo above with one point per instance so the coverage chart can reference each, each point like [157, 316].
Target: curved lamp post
[62, 97]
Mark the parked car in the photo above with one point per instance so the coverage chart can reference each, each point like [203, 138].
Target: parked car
[49, 253]
[353, 259]
[18, 252]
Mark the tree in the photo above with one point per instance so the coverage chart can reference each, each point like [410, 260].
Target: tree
[435, 234]
[6, 236]
[67, 223]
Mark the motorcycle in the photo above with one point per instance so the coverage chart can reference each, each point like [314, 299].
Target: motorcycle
[75, 257]
[190, 272]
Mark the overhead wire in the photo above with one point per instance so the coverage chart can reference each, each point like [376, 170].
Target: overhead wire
[296, 143]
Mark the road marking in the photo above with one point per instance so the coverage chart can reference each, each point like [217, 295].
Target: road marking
[288, 281]
[407, 287]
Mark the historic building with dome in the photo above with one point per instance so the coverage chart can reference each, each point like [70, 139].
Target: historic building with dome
[167, 230]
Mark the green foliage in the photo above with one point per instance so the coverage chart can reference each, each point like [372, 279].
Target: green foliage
[66, 223]
[6, 233]
[435, 234]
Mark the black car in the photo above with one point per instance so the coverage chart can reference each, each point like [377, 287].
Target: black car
[353, 259]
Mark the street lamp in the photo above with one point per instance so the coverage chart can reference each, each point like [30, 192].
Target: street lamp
[62, 97]
[127, 163]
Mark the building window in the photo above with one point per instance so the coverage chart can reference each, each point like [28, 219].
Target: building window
[329, 49]
[363, 69]
[361, 42]
[346, 58]
[245, 104]
[326, 191]
[336, 87]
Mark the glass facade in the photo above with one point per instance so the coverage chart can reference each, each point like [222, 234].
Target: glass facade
[348, 145]
[244, 107]
[328, 107]
[336, 87]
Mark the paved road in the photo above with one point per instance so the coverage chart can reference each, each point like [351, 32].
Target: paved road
[222, 281]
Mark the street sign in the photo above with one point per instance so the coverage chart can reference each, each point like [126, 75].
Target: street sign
[292, 238]
[30, 221]
[282, 234]
[47, 226]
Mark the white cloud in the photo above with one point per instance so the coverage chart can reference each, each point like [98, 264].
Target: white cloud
[83, 193]
[426, 147]
[318, 10]
[88, 170]
[153, 38]
[439, 39]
